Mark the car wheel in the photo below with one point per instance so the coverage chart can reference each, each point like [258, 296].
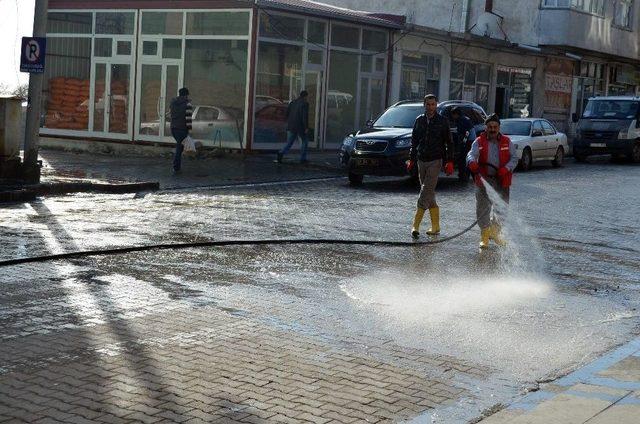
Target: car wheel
[559, 158]
[527, 160]
[355, 179]
[634, 156]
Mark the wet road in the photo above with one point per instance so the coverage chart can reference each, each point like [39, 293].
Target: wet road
[485, 326]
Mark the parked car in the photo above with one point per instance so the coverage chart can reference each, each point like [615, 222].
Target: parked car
[271, 124]
[536, 139]
[382, 148]
[211, 124]
[609, 125]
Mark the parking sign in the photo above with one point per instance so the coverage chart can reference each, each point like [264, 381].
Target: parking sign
[33, 55]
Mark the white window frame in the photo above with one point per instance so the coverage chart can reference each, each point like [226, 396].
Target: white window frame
[119, 59]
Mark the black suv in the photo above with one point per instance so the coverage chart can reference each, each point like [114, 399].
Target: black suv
[382, 148]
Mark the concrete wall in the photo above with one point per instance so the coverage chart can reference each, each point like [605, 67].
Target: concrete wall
[524, 22]
[589, 32]
[445, 15]
[520, 23]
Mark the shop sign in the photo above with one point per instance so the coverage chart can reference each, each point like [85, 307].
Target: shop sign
[558, 83]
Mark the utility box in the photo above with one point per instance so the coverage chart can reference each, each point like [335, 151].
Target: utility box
[10, 131]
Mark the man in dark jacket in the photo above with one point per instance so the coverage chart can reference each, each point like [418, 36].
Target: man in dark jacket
[431, 144]
[181, 113]
[463, 134]
[297, 125]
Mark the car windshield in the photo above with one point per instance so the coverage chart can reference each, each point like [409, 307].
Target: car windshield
[515, 127]
[611, 109]
[399, 117]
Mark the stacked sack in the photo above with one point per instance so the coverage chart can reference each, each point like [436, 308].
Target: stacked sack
[118, 114]
[67, 106]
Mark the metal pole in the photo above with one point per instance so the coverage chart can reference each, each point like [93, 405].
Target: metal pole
[31, 139]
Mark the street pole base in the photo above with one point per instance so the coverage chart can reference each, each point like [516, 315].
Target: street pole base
[31, 174]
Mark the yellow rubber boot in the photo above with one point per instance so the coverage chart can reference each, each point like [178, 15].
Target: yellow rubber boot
[435, 222]
[417, 219]
[496, 235]
[485, 234]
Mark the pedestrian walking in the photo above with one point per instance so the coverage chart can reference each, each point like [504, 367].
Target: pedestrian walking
[463, 134]
[431, 144]
[492, 157]
[181, 112]
[297, 126]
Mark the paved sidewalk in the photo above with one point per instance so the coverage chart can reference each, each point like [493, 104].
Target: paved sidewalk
[607, 391]
[196, 171]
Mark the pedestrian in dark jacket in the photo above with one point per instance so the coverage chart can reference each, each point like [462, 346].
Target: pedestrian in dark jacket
[181, 113]
[431, 145]
[463, 134]
[297, 126]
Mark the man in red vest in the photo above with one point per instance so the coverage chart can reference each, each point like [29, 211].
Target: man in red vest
[492, 157]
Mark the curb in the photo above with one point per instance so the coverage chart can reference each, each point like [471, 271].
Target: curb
[55, 189]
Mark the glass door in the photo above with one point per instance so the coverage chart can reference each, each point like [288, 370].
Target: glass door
[371, 99]
[160, 76]
[159, 84]
[313, 84]
[111, 101]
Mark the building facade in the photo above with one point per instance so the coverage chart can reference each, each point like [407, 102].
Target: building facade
[515, 57]
[114, 66]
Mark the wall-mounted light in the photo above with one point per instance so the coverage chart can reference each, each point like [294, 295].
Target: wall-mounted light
[573, 56]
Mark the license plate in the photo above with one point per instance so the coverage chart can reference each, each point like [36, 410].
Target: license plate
[367, 162]
[598, 144]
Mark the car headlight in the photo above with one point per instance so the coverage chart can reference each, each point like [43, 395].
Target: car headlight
[403, 142]
[348, 142]
[623, 135]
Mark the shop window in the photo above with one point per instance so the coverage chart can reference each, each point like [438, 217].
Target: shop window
[470, 82]
[150, 48]
[66, 88]
[344, 36]
[365, 63]
[117, 23]
[314, 57]
[171, 48]
[374, 40]
[279, 80]
[217, 23]
[102, 47]
[484, 73]
[457, 70]
[162, 23]
[216, 73]
[341, 96]
[470, 74]
[69, 23]
[123, 48]
[283, 27]
[420, 75]
[316, 32]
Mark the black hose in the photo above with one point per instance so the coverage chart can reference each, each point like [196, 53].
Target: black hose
[223, 243]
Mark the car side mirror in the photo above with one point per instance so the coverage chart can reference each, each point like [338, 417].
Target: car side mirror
[536, 133]
[369, 123]
[575, 118]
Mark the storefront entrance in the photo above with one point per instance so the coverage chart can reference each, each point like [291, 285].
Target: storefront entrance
[159, 82]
